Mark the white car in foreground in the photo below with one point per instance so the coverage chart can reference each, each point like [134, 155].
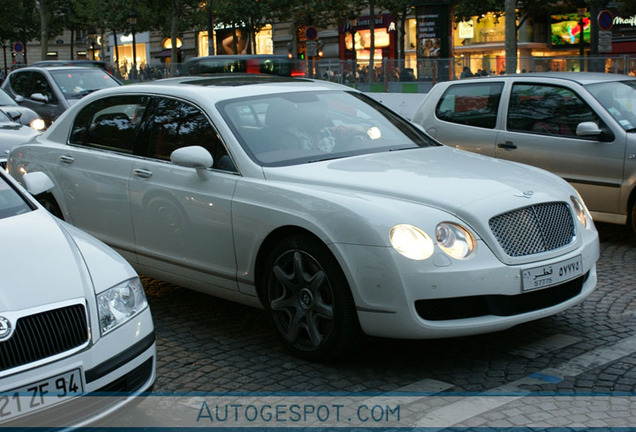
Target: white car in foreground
[74, 320]
[318, 204]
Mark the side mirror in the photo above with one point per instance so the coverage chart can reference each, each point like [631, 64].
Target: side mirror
[19, 99]
[39, 97]
[592, 130]
[13, 115]
[192, 157]
[37, 182]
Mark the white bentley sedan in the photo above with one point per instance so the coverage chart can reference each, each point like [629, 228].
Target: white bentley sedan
[318, 204]
[74, 321]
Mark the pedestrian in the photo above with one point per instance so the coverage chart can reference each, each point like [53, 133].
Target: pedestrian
[466, 73]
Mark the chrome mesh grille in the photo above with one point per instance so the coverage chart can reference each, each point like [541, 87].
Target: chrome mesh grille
[534, 229]
[43, 335]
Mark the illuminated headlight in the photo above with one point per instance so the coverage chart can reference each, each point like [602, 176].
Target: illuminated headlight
[582, 214]
[37, 124]
[120, 303]
[411, 242]
[455, 240]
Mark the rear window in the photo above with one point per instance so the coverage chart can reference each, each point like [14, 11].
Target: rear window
[472, 105]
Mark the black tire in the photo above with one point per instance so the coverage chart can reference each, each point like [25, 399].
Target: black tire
[308, 300]
[48, 202]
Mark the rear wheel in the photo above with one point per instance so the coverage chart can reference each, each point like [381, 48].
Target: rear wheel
[633, 216]
[308, 300]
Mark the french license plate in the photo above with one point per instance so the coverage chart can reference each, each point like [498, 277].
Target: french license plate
[41, 394]
[553, 274]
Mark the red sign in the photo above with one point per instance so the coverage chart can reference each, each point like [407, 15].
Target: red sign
[605, 20]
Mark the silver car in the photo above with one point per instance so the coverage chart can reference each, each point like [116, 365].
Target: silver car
[49, 91]
[581, 126]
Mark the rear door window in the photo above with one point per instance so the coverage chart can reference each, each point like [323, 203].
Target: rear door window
[111, 124]
[471, 104]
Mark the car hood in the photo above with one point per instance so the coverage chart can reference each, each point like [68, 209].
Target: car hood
[40, 262]
[470, 186]
[13, 134]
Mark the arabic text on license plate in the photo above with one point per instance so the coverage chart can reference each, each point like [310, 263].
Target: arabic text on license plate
[553, 274]
[38, 395]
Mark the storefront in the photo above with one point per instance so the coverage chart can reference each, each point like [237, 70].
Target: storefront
[355, 40]
[123, 56]
[235, 40]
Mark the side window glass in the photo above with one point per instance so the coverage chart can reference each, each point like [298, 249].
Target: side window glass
[110, 124]
[41, 85]
[176, 124]
[20, 83]
[546, 109]
[472, 105]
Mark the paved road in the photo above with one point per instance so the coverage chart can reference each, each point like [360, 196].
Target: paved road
[211, 345]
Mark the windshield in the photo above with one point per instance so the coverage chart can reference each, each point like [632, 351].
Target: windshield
[5, 99]
[77, 83]
[619, 99]
[11, 202]
[304, 127]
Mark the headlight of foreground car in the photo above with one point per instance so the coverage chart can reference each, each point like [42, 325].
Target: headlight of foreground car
[411, 242]
[455, 241]
[581, 211]
[37, 124]
[120, 303]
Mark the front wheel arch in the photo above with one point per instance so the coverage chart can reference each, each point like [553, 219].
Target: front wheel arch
[48, 201]
[297, 265]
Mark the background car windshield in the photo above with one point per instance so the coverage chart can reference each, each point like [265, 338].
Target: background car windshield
[619, 99]
[77, 83]
[294, 128]
[11, 202]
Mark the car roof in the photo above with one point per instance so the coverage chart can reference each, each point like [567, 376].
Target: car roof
[214, 88]
[56, 68]
[582, 78]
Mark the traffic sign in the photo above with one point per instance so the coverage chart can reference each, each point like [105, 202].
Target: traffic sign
[18, 47]
[311, 33]
[605, 19]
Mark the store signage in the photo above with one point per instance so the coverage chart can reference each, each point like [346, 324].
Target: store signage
[631, 21]
[466, 29]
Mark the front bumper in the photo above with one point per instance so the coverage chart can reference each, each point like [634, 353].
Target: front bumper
[109, 385]
[400, 298]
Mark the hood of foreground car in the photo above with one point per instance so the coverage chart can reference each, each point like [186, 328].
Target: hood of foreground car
[39, 262]
[462, 183]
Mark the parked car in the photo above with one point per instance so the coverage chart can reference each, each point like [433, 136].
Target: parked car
[20, 114]
[270, 64]
[581, 126]
[12, 133]
[320, 205]
[74, 320]
[49, 91]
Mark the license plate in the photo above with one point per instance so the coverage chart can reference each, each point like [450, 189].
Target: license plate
[553, 274]
[41, 394]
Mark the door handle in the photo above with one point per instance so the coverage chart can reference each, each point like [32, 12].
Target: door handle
[508, 145]
[142, 173]
[67, 159]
